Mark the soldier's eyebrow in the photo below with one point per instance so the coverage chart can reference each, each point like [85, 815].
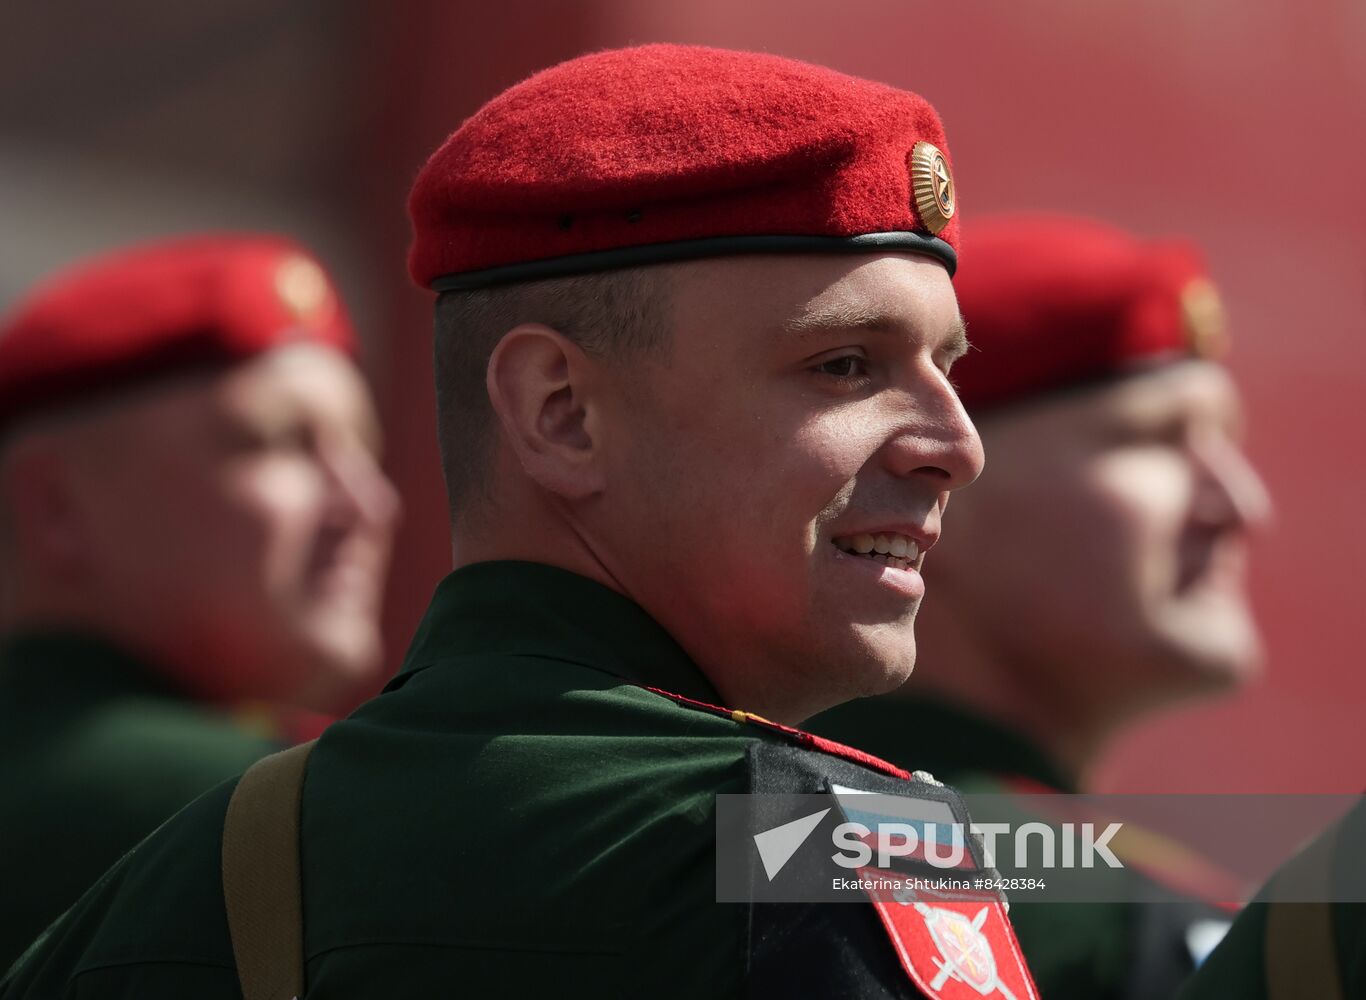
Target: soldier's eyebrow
[825, 320]
[955, 344]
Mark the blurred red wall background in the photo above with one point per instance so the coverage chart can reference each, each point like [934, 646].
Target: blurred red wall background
[1239, 124]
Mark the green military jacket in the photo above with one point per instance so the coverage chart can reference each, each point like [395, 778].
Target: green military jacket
[515, 815]
[95, 752]
[1296, 943]
[1101, 951]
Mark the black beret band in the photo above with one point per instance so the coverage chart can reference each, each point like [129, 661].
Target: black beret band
[713, 246]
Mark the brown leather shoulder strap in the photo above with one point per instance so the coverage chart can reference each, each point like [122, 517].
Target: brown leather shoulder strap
[261, 887]
[1301, 952]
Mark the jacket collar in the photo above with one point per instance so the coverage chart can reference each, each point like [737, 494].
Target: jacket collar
[509, 608]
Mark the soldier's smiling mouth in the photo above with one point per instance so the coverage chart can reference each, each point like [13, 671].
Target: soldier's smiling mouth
[889, 549]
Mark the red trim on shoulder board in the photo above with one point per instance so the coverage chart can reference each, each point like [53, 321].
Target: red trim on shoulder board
[954, 949]
[801, 737]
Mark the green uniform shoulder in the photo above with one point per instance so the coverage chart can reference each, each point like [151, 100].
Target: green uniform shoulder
[94, 754]
[159, 750]
[428, 841]
[518, 808]
[582, 799]
[1305, 932]
[157, 891]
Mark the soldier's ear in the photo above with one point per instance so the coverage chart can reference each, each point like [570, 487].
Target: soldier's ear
[541, 386]
[42, 506]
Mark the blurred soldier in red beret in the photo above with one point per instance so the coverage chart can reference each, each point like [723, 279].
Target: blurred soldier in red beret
[192, 518]
[1096, 573]
[694, 339]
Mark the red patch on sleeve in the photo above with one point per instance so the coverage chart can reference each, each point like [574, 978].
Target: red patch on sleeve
[952, 949]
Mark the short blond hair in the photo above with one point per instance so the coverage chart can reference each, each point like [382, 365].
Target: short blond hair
[615, 315]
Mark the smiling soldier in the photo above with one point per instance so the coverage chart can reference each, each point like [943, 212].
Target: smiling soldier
[692, 350]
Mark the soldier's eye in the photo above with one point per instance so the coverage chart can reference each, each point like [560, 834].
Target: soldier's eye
[847, 367]
[284, 438]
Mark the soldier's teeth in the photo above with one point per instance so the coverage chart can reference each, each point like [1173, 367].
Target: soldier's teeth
[890, 549]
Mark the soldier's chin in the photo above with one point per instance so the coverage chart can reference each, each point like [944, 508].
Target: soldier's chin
[345, 656]
[1218, 652]
[886, 662]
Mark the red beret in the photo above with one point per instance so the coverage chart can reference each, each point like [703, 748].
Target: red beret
[669, 152]
[1053, 301]
[159, 308]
